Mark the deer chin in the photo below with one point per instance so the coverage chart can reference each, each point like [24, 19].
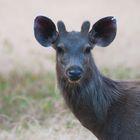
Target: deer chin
[74, 81]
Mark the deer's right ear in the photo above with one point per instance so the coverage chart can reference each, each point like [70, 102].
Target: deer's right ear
[45, 31]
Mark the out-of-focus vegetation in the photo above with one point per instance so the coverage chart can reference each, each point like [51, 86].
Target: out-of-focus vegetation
[121, 73]
[27, 96]
[32, 99]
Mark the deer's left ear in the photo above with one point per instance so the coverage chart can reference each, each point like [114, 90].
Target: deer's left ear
[103, 31]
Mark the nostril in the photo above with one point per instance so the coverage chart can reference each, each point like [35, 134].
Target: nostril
[74, 73]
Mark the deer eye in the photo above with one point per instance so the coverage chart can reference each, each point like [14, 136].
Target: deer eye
[60, 49]
[87, 49]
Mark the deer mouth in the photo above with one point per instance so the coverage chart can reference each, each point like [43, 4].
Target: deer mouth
[73, 81]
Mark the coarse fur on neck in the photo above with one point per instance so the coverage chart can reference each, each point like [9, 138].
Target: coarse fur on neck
[95, 93]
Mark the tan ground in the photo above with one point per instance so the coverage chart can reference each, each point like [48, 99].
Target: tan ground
[19, 49]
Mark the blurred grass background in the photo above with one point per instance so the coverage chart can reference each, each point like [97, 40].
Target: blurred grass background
[31, 103]
[31, 107]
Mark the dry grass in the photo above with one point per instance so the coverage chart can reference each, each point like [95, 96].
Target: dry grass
[60, 127]
[31, 107]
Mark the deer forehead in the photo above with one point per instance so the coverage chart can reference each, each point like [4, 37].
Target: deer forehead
[72, 39]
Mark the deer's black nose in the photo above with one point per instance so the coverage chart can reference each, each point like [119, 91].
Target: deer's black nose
[74, 73]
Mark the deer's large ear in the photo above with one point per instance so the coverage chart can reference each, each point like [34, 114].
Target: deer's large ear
[45, 31]
[103, 31]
